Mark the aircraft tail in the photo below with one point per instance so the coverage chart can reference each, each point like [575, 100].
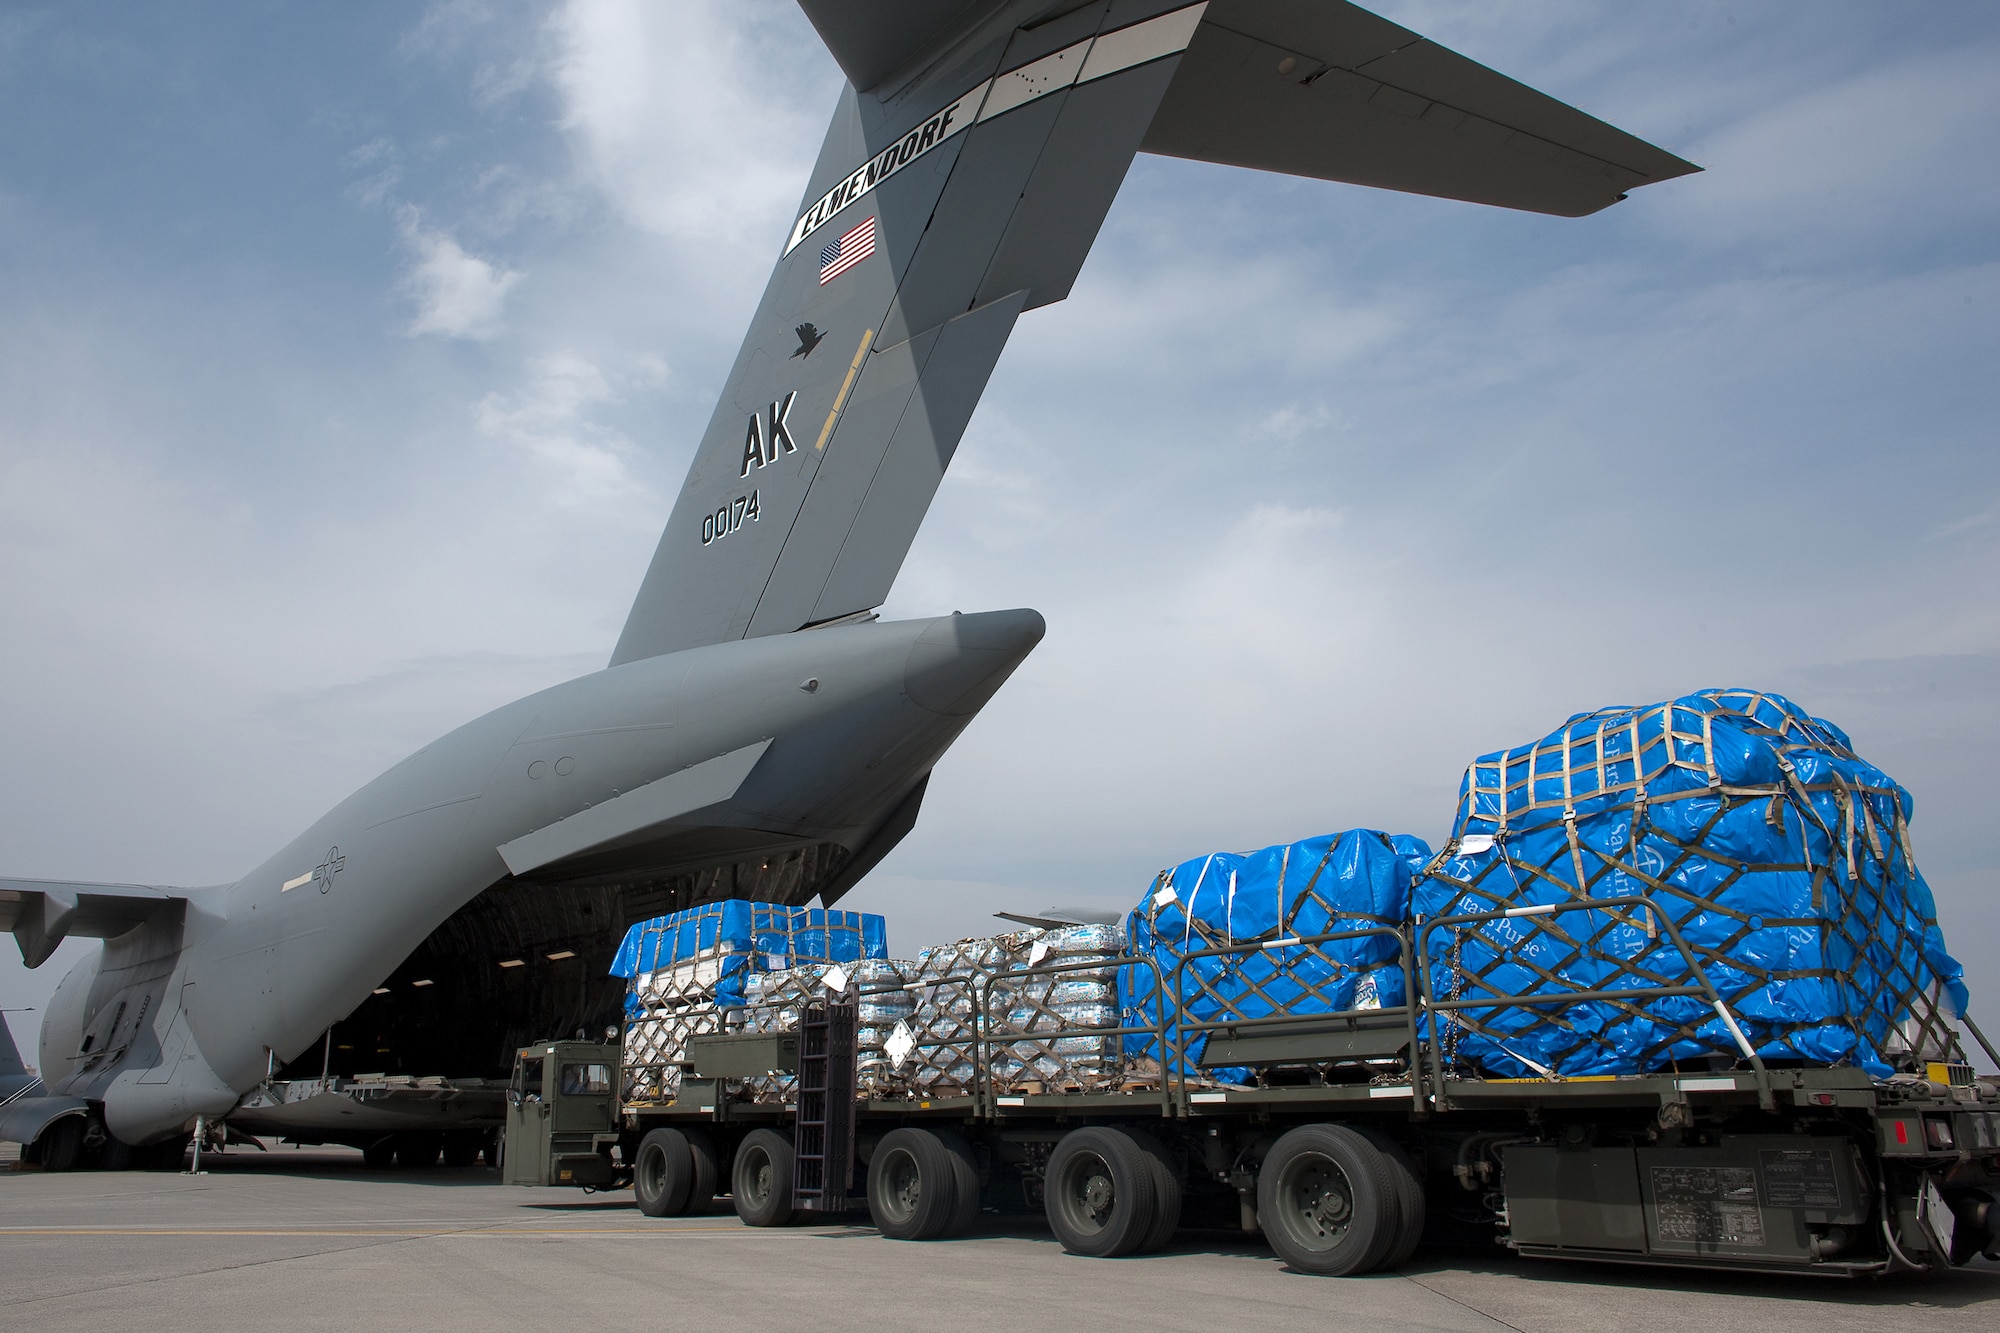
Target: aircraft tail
[968, 168]
[10, 1054]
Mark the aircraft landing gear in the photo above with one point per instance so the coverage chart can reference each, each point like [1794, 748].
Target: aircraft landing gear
[60, 1147]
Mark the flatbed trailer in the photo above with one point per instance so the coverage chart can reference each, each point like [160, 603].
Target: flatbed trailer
[1360, 1140]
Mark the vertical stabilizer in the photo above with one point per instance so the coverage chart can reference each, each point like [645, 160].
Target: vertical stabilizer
[940, 209]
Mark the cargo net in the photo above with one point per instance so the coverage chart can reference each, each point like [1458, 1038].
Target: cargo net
[1780, 857]
[655, 1048]
[1039, 1009]
[697, 981]
[1251, 904]
[686, 971]
[875, 986]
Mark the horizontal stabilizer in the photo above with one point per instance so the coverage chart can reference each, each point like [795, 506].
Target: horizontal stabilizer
[1328, 90]
[42, 913]
[636, 813]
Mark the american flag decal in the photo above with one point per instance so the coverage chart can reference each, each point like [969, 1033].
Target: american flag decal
[836, 257]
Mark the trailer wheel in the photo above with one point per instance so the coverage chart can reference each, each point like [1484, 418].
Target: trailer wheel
[663, 1175]
[762, 1179]
[379, 1155]
[460, 1150]
[706, 1176]
[913, 1186]
[965, 1172]
[1166, 1193]
[1099, 1192]
[1327, 1202]
[1409, 1182]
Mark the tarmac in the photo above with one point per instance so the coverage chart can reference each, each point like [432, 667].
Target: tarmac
[305, 1239]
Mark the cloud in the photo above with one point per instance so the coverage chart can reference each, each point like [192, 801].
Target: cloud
[1885, 149]
[458, 295]
[696, 120]
[551, 420]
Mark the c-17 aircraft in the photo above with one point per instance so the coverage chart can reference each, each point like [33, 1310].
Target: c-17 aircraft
[757, 732]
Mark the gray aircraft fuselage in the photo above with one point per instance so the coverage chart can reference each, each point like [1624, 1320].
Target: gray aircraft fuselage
[854, 715]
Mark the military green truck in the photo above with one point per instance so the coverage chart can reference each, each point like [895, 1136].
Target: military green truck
[1359, 1138]
[562, 1116]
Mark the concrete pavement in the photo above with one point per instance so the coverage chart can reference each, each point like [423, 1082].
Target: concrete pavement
[308, 1239]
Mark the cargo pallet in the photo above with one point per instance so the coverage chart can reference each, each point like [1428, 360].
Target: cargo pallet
[1360, 1141]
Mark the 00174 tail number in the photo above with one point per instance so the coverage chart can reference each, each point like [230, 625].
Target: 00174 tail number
[729, 518]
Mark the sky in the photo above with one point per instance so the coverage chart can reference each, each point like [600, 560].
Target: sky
[351, 357]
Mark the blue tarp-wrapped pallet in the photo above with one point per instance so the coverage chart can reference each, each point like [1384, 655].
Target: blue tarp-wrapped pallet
[1353, 881]
[1781, 856]
[683, 969]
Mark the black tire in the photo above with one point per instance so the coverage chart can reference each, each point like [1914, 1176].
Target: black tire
[1326, 1200]
[913, 1186]
[379, 1155]
[417, 1152]
[706, 1179]
[166, 1155]
[460, 1150]
[1099, 1192]
[761, 1178]
[971, 1193]
[1409, 1183]
[662, 1173]
[60, 1146]
[116, 1154]
[1166, 1193]
[489, 1149]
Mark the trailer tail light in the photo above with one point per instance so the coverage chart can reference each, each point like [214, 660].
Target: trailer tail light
[1937, 1133]
[1903, 1132]
[1823, 1099]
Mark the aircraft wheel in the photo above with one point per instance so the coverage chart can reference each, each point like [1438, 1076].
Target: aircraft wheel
[1099, 1192]
[379, 1155]
[1327, 1202]
[116, 1154]
[914, 1186]
[1409, 1183]
[415, 1152]
[663, 1173]
[707, 1177]
[61, 1144]
[1166, 1192]
[762, 1178]
[167, 1155]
